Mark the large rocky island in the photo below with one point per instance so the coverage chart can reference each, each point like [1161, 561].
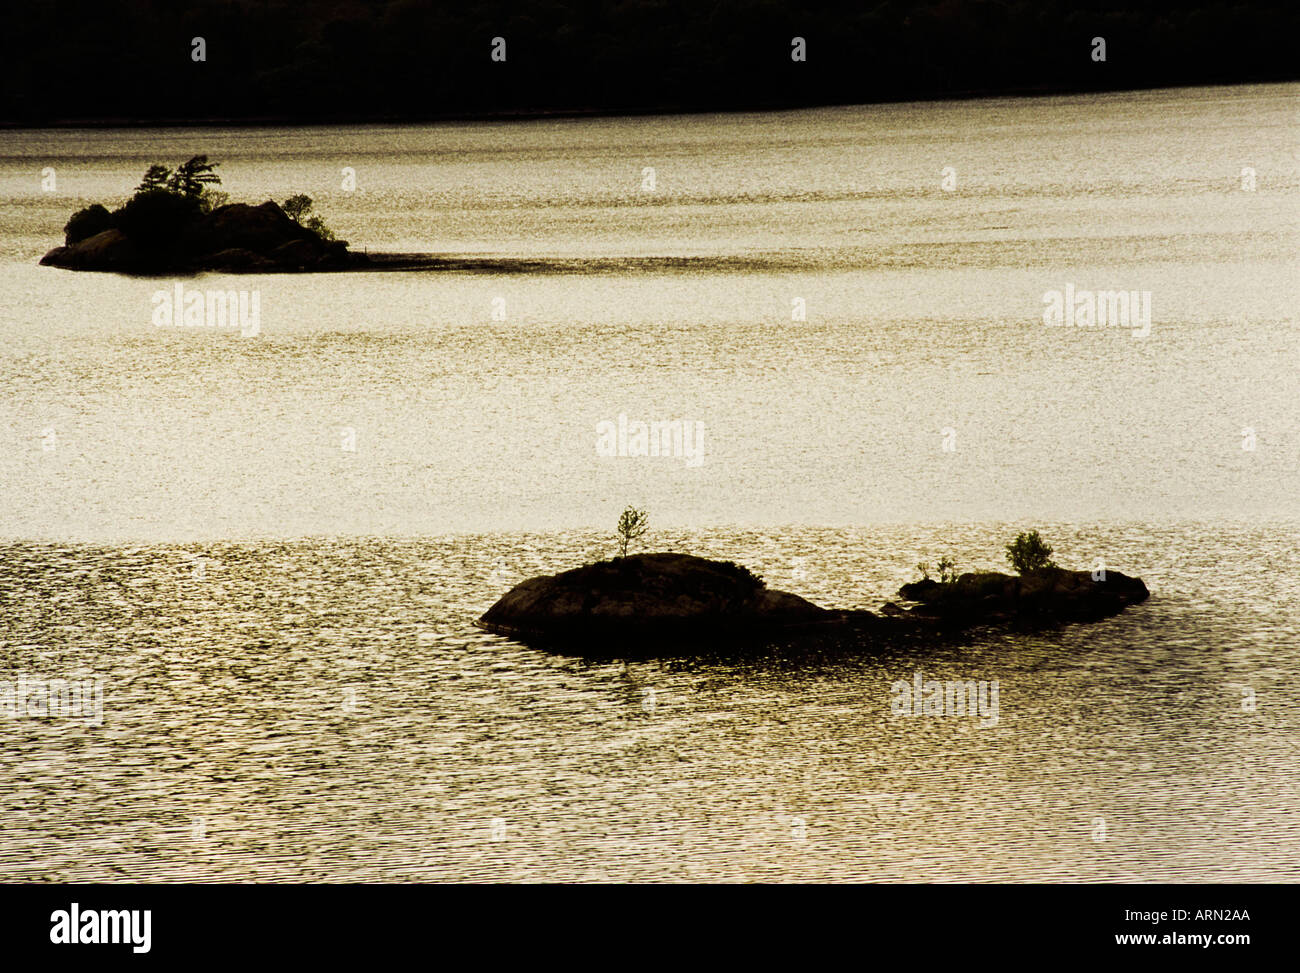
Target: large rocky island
[178, 222]
[659, 604]
[235, 238]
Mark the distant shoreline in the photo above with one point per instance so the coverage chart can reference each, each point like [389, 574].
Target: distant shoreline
[543, 114]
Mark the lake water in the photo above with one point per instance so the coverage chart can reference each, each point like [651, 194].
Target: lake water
[271, 549]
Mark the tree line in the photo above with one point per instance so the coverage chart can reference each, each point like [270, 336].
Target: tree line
[412, 59]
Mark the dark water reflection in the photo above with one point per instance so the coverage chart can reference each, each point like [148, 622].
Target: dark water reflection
[326, 710]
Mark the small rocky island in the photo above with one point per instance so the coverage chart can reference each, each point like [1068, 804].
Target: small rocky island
[178, 223]
[665, 603]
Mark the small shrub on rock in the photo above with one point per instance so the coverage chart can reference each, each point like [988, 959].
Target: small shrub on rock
[155, 218]
[85, 223]
[1029, 553]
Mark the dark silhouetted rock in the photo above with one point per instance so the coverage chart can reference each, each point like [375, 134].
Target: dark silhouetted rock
[665, 603]
[674, 598]
[298, 253]
[918, 590]
[237, 261]
[85, 223]
[1049, 595]
[240, 226]
[109, 250]
[236, 238]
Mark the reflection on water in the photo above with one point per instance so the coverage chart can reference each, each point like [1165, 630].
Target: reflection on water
[327, 711]
[800, 283]
[281, 706]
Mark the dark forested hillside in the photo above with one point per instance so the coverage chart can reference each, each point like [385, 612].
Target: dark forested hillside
[322, 59]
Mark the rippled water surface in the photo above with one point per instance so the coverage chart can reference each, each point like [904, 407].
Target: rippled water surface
[293, 687]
